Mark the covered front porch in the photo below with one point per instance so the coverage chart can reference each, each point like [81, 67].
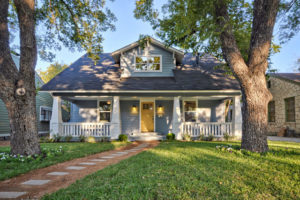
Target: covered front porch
[140, 115]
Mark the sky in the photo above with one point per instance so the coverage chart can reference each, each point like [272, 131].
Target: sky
[128, 30]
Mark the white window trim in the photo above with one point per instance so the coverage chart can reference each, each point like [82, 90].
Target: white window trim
[45, 108]
[152, 55]
[183, 110]
[98, 110]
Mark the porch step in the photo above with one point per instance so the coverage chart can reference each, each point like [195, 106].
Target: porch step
[146, 137]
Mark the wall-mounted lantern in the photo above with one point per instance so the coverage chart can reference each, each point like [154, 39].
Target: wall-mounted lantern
[160, 110]
[134, 109]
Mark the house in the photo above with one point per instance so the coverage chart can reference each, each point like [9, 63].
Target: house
[284, 108]
[43, 108]
[145, 92]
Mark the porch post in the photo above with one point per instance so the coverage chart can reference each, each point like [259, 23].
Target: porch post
[176, 124]
[237, 117]
[115, 125]
[56, 118]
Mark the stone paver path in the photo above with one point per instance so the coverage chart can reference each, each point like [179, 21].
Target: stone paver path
[37, 183]
[283, 139]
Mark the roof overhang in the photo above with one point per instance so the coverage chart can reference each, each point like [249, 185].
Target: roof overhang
[177, 53]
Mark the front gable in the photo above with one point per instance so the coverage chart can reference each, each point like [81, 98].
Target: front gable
[154, 60]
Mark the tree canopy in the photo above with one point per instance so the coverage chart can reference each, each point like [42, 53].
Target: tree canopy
[51, 71]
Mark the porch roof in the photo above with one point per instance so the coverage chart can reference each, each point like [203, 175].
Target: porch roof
[84, 75]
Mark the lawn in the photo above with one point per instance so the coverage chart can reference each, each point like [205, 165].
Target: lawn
[195, 170]
[70, 151]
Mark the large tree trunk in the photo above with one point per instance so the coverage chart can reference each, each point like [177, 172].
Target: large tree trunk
[18, 84]
[251, 74]
[23, 124]
[254, 111]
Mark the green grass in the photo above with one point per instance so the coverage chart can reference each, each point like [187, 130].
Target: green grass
[195, 170]
[71, 151]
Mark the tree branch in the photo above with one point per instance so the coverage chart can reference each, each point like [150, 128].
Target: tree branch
[230, 49]
[264, 18]
[28, 49]
[8, 70]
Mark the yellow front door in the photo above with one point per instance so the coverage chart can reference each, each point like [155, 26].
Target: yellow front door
[147, 117]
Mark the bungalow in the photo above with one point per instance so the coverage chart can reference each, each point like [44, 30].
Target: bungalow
[145, 92]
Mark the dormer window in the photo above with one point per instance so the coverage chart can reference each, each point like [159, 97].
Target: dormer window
[150, 63]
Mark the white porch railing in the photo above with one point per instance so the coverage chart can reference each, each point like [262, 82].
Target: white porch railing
[216, 129]
[76, 129]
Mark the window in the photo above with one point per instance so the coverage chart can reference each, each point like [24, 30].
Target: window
[45, 113]
[290, 109]
[104, 111]
[271, 111]
[269, 84]
[189, 109]
[147, 63]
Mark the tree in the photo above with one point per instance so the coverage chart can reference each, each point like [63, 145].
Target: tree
[51, 71]
[240, 33]
[74, 24]
[297, 65]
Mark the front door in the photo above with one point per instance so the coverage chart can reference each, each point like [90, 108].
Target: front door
[147, 117]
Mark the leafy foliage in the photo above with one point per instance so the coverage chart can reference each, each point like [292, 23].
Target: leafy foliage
[51, 71]
[123, 138]
[77, 25]
[170, 136]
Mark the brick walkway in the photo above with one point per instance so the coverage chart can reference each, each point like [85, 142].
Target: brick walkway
[37, 183]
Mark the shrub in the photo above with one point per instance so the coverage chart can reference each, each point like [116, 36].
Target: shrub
[68, 138]
[170, 136]
[82, 138]
[201, 137]
[226, 136]
[57, 138]
[123, 137]
[91, 139]
[209, 138]
[186, 137]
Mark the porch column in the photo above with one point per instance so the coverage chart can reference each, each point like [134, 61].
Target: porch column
[176, 124]
[237, 117]
[56, 118]
[115, 125]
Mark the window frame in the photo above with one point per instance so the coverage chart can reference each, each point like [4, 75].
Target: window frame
[286, 109]
[99, 112]
[269, 116]
[47, 109]
[196, 110]
[152, 55]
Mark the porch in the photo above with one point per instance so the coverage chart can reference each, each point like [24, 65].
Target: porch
[136, 116]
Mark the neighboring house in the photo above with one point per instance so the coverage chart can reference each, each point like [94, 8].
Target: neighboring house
[43, 108]
[284, 109]
[145, 92]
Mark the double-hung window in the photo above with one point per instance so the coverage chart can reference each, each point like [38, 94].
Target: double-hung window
[290, 109]
[45, 113]
[104, 111]
[271, 111]
[148, 63]
[190, 112]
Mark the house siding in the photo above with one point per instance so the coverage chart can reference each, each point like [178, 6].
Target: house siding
[211, 111]
[282, 89]
[129, 121]
[84, 111]
[127, 62]
[42, 99]
[164, 122]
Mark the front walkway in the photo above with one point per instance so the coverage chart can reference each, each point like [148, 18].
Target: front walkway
[283, 139]
[37, 183]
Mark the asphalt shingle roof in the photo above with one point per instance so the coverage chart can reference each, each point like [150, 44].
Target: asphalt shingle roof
[290, 76]
[105, 75]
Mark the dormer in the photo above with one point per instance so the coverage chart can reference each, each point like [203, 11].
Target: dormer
[152, 60]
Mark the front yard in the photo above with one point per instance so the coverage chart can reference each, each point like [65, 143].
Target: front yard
[69, 151]
[195, 170]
